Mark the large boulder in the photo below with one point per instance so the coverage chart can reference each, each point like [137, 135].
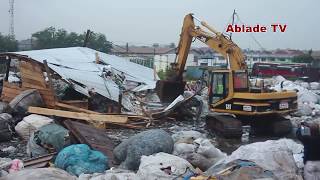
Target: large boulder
[146, 143]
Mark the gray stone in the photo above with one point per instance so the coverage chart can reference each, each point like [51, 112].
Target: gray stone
[149, 142]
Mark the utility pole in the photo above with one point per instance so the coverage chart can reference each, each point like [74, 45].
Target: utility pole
[127, 49]
[11, 13]
[233, 15]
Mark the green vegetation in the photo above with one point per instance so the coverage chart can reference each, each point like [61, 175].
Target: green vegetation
[8, 43]
[60, 38]
[305, 58]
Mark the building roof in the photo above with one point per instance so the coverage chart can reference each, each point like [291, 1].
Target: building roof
[77, 64]
[147, 50]
[316, 54]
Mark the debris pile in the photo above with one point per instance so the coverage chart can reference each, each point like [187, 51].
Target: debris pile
[308, 97]
[61, 110]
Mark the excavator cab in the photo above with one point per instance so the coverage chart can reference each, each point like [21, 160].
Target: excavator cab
[223, 81]
[219, 86]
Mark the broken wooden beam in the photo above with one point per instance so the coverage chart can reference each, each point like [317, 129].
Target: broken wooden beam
[80, 115]
[95, 138]
[74, 108]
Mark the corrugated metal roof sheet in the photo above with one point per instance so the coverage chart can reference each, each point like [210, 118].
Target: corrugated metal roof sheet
[78, 64]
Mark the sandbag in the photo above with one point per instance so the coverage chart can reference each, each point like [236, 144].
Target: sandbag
[80, 159]
[199, 161]
[21, 103]
[183, 148]
[40, 174]
[48, 136]
[5, 131]
[187, 136]
[114, 174]
[163, 166]
[272, 155]
[315, 86]
[35, 150]
[31, 123]
[208, 150]
[148, 142]
[312, 170]
[244, 170]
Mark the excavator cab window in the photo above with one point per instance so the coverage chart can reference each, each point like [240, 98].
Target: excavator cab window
[240, 81]
[218, 87]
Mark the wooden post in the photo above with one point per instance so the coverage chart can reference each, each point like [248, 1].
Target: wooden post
[120, 102]
[50, 79]
[8, 68]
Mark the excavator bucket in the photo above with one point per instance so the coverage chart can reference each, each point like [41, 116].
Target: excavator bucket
[168, 91]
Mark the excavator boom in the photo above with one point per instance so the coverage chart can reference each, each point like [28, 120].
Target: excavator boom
[173, 86]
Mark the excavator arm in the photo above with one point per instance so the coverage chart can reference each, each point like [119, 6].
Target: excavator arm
[213, 39]
[174, 85]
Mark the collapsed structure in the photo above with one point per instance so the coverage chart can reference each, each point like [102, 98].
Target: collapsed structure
[80, 68]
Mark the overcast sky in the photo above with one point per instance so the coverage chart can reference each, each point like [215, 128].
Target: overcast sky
[143, 22]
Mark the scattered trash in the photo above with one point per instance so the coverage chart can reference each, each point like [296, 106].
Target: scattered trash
[9, 149]
[31, 123]
[80, 159]
[4, 107]
[163, 166]
[5, 129]
[242, 169]
[146, 143]
[16, 165]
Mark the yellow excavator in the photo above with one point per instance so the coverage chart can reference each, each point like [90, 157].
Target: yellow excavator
[232, 101]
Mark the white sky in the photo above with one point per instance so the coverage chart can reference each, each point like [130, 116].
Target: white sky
[144, 22]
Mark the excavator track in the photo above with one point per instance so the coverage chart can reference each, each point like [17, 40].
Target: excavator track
[231, 127]
[225, 125]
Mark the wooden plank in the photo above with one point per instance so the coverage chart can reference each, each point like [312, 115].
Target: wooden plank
[74, 108]
[80, 115]
[97, 139]
[28, 71]
[78, 103]
[34, 77]
[31, 84]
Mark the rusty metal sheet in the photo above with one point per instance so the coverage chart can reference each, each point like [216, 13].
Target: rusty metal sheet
[97, 139]
[38, 162]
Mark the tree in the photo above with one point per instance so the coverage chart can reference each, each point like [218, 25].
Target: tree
[60, 38]
[305, 58]
[8, 44]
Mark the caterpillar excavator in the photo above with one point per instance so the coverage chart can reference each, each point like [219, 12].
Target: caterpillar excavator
[232, 101]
